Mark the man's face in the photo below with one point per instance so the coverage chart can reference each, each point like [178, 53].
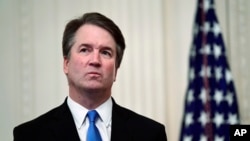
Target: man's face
[91, 64]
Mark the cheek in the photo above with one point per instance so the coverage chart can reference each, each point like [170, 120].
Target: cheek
[76, 65]
[112, 70]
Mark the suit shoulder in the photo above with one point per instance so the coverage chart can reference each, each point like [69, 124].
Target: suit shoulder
[38, 128]
[41, 120]
[137, 126]
[138, 118]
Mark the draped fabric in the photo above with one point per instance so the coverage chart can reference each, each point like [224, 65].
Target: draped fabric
[211, 103]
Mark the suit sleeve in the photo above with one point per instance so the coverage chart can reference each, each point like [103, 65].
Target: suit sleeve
[21, 133]
[17, 135]
[162, 134]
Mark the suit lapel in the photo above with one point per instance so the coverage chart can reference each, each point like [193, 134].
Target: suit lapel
[119, 131]
[63, 126]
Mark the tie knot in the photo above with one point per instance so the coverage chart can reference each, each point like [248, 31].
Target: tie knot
[92, 115]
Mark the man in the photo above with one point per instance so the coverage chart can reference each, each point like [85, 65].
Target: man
[93, 47]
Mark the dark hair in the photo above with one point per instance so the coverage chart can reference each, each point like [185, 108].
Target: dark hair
[100, 21]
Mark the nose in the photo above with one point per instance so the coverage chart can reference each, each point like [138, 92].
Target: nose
[95, 59]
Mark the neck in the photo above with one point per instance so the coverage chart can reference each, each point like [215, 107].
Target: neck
[89, 99]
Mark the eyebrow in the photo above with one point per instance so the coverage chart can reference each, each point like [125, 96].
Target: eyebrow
[101, 47]
[85, 45]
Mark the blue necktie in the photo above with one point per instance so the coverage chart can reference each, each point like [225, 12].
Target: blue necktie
[93, 133]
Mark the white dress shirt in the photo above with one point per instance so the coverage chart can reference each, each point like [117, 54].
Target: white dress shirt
[82, 123]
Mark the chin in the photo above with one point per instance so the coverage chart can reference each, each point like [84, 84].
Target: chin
[94, 87]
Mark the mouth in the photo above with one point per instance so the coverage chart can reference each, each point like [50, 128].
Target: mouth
[94, 73]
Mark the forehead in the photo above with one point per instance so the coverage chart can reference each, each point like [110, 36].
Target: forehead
[93, 34]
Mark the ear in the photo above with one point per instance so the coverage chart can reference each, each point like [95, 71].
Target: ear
[65, 65]
[115, 74]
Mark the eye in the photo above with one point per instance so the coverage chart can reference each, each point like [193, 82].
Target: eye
[83, 50]
[107, 53]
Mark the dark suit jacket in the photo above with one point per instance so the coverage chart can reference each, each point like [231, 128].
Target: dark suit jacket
[58, 125]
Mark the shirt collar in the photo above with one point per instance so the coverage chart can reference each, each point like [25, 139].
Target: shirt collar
[79, 112]
[105, 111]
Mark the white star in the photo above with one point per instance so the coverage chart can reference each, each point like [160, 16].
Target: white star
[188, 119]
[203, 96]
[206, 5]
[202, 72]
[217, 51]
[190, 97]
[228, 76]
[203, 119]
[218, 138]
[216, 29]
[232, 119]
[191, 74]
[188, 138]
[206, 27]
[205, 71]
[218, 96]
[207, 49]
[229, 98]
[218, 73]
[218, 119]
[196, 29]
[192, 52]
[208, 71]
[203, 138]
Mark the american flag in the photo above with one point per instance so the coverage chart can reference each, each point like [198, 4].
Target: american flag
[211, 103]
